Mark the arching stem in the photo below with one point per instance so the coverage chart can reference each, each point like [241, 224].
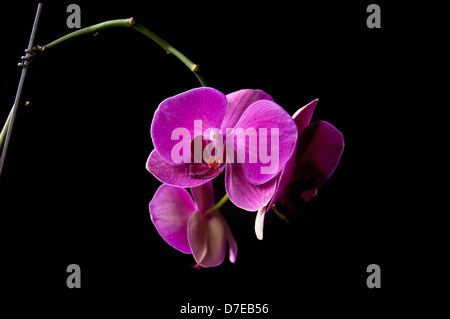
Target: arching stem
[127, 23]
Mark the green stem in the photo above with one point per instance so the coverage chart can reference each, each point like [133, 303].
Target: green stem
[166, 46]
[5, 127]
[128, 23]
[218, 205]
[280, 215]
[200, 79]
[89, 30]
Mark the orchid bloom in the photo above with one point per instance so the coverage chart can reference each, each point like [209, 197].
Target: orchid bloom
[188, 225]
[204, 117]
[317, 153]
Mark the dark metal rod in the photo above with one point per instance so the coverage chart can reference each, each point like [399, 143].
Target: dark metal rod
[19, 89]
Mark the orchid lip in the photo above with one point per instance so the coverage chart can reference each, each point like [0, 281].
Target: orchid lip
[211, 152]
[202, 171]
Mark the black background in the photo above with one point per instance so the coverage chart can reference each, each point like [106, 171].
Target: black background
[75, 188]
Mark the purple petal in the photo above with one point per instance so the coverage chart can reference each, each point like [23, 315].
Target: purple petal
[302, 118]
[308, 194]
[175, 175]
[203, 196]
[233, 247]
[244, 194]
[265, 115]
[180, 112]
[202, 171]
[170, 210]
[207, 239]
[318, 153]
[239, 101]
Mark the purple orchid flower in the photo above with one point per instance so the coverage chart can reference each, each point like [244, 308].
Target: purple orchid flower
[186, 223]
[317, 153]
[250, 184]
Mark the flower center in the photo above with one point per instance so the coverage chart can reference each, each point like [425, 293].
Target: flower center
[213, 162]
[207, 155]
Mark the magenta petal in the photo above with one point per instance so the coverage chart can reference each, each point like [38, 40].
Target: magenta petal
[307, 195]
[207, 239]
[170, 210]
[203, 196]
[302, 118]
[239, 101]
[266, 116]
[175, 175]
[318, 152]
[202, 171]
[233, 247]
[179, 113]
[244, 194]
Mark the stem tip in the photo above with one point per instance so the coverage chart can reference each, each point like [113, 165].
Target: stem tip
[131, 21]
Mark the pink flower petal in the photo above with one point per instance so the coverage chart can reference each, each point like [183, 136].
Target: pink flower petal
[259, 116]
[318, 153]
[170, 210]
[239, 101]
[180, 112]
[244, 194]
[175, 175]
[302, 118]
[203, 196]
[233, 247]
[309, 194]
[207, 239]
